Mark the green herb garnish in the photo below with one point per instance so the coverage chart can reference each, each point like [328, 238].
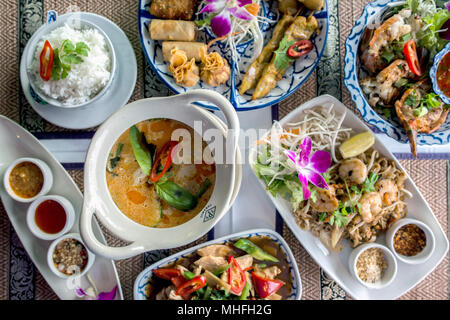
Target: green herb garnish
[412, 99]
[66, 56]
[282, 61]
[369, 183]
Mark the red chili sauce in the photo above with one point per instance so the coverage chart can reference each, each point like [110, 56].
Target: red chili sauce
[50, 216]
[443, 74]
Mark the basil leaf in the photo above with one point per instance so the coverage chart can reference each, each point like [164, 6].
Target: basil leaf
[176, 196]
[282, 61]
[140, 150]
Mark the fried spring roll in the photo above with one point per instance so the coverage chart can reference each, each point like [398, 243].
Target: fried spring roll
[173, 30]
[301, 28]
[192, 49]
[256, 68]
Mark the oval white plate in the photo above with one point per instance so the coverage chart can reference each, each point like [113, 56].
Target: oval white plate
[336, 264]
[294, 77]
[142, 279]
[17, 142]
[117, 95]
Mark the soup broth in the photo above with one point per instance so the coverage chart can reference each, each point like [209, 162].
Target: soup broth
[130, 188]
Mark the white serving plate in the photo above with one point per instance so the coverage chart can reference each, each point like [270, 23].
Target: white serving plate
[142, 280]
[336, 264]
[16, 142]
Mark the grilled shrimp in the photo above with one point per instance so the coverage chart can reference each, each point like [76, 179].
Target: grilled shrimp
[326, 200]
[427, 123]
[381, 89]
[388, 191]
[370, 206]
[392, 29]
[353, 170]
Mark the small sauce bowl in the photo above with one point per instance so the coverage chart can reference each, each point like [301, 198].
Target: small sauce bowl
[52, 208]
[53, 247]
[438, 59]
[423, 255]
[8, 179]
[389, 273]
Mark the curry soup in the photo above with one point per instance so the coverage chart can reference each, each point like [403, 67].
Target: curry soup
[26, 180]
[130, 188]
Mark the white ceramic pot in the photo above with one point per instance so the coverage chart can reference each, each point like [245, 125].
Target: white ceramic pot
[98, 200]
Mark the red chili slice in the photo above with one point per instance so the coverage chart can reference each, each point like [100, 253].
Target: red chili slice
[191, 286]
[409, 49]
[300, 48]
[236, 276]
[46, 61]
[167, 274]
[167, 148]
[265, 287]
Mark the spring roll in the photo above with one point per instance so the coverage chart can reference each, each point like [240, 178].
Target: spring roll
[192, 49]
[173, 30]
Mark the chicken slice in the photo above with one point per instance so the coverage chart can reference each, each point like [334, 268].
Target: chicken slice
[211, 263]
[216, 250]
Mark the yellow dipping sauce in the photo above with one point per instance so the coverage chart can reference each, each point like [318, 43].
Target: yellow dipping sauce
[26, 180]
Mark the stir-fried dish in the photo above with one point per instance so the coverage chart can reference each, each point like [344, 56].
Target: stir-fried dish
[398, 53]
[233, 23]
[245, 269]
[339, 186]
[148, 185]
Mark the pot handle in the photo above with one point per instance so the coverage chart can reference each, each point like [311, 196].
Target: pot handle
[99, 248]
[225, 106]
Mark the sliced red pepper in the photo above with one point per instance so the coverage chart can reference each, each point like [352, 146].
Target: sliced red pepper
[178, 281]
[265, 287]
[236, 276]
[409, 49]
[191, 286]
[167, 274]
[300, 48]
[167, 148]
[46, 61]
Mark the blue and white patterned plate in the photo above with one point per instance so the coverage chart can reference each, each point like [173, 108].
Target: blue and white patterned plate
[433, 70]
[353, 72]
[292, 80]
[143, 279]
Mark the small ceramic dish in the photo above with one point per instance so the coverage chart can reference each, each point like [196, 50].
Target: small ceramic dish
[422, 256]
[140, 290]
[54, 22]
[51, 264]
[46, 173]
[388, 274]
[433, 73]
[31, 217]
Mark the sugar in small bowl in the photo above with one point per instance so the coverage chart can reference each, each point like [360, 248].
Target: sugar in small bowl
[27, 178]
[49, 217]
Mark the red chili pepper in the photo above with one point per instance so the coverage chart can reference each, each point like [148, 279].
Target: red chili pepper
[191, 286]
[236, 276]
[178, 281]
[167, 274]
[265, 287]
[167, 148]
[46, 61]
[409, 49]
[300, 48]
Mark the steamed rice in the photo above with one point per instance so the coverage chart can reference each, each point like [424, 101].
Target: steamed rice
[85, 80]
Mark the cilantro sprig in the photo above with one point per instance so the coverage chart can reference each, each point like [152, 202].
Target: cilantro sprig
[65, 56]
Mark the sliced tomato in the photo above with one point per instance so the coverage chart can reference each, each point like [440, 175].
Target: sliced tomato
[265, 287]
[236, 276]
[167, 274]
[166, 151]
[300, 48]
[409, 49]
[46, 61]
[191, 286]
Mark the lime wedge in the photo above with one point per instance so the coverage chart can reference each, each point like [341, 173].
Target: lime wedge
[357, 144]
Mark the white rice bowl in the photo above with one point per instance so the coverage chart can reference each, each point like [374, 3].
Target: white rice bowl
[85, 80]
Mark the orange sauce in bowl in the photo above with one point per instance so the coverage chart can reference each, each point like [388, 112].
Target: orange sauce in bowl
[443, 74]
[50, 216]
[26, 180]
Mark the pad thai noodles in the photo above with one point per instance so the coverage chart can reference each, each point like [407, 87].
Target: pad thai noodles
[335, 198]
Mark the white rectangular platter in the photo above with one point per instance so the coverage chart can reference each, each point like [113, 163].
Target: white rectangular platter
[16, 143]
[336, 264]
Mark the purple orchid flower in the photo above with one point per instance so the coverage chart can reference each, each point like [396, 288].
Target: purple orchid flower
[446, 26]
[221, 23]
[310, 168]
[447, 5]
[90, 295]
